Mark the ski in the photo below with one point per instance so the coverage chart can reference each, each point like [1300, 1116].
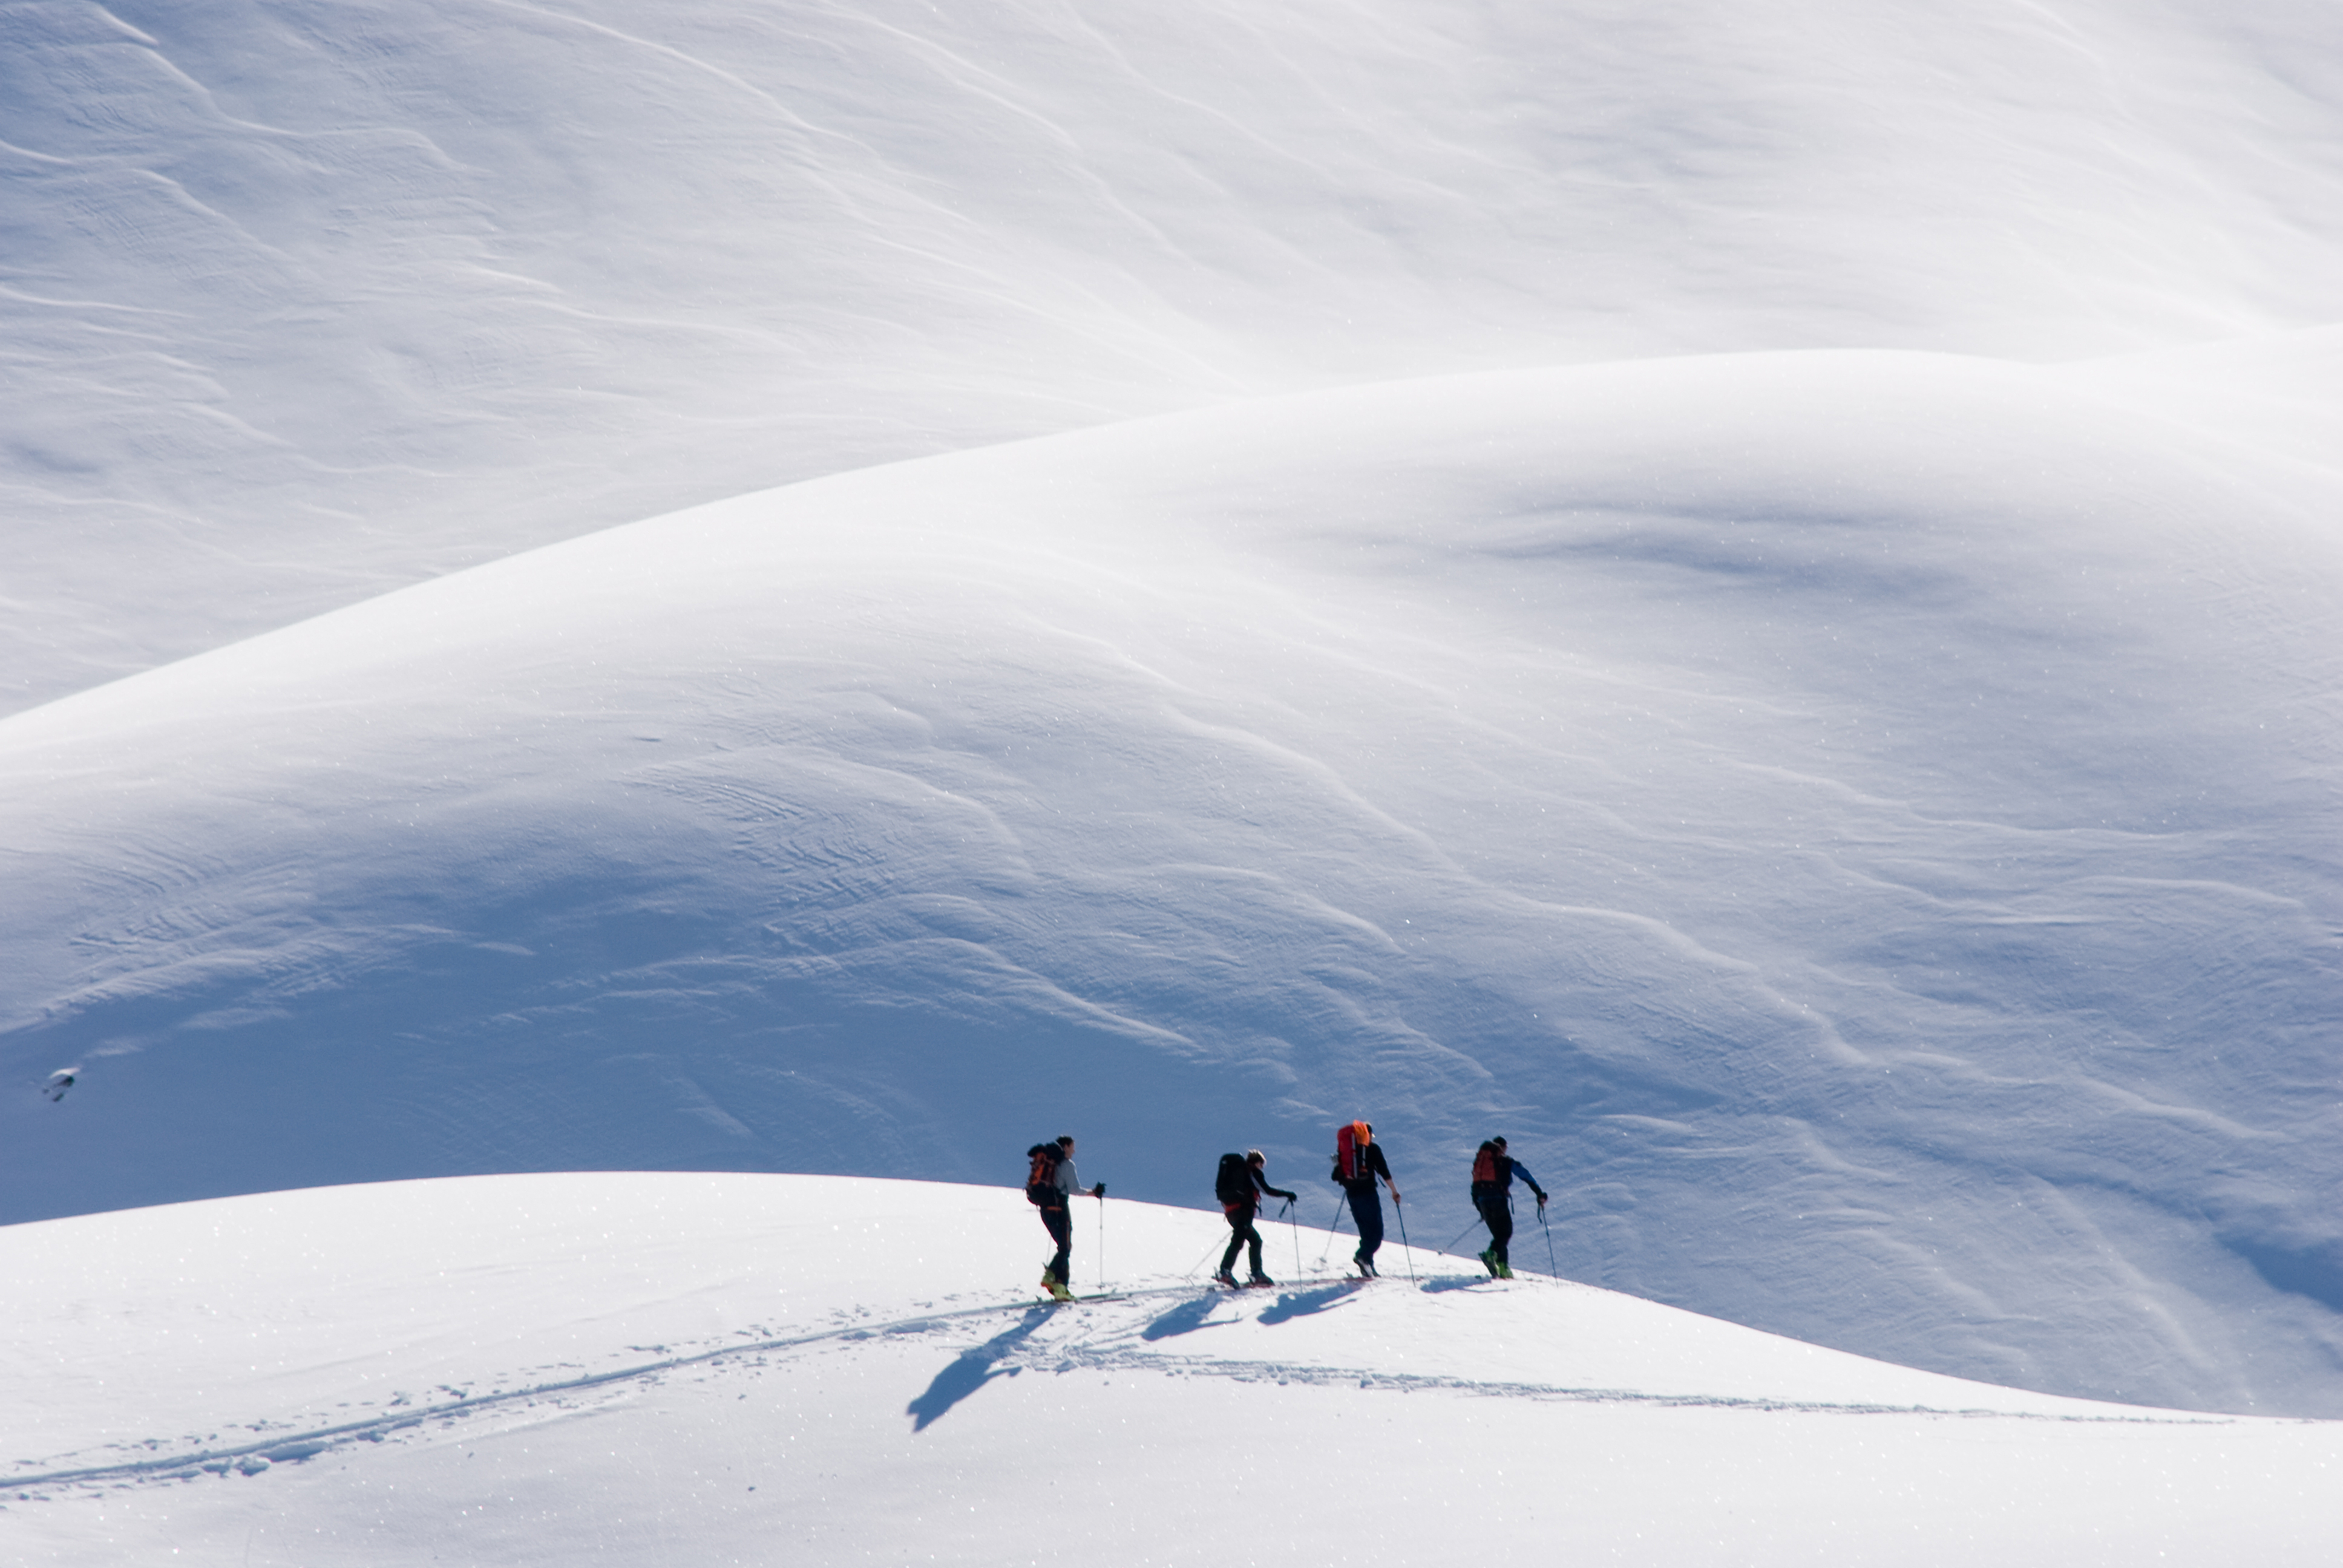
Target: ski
[1257, 1283]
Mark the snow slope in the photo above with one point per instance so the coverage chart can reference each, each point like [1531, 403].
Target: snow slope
[623, 1369]
[1863, 825]
[304, 299]
[1843, 772]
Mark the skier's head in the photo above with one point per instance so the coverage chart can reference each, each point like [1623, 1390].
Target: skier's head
[1498, 1144]
[1256, 1159]
[1067, 1143]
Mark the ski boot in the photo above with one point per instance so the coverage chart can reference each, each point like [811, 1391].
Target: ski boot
[1258, 1280]
[1366, 1267]
[1488, 1256]
[1226, 1278]
[1056, 1287]
[1504, 1271]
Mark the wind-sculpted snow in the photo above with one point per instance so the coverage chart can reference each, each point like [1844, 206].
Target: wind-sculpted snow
[1862, 825]
[304, 299]
[614, 1368]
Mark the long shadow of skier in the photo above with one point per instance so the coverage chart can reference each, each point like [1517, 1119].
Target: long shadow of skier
[971, 1371]
[1185, 1318]
[1291, 1304]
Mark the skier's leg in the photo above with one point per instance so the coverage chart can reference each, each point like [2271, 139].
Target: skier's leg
[1367, 1209]
[1062, 1229]
[1237, 1219]
[1488, 1212]
[1252, 1244]
[1499, 1215]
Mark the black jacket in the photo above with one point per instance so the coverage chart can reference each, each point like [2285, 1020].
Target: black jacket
[1261, 1182]
[1376, 1166]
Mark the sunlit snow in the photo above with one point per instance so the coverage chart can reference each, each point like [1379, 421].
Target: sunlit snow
[1744, 596]
[628, 1369]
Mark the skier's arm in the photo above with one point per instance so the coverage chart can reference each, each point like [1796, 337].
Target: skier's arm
[1261, 1182]
[1379, 1166]
[1523, 1171]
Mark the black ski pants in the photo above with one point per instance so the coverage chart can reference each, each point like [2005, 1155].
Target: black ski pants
[1497, 1213]
[1367, 1209]
[1062, 1231]
[1242, 1234]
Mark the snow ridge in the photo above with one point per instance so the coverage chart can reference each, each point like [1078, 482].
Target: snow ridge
[1854, 801]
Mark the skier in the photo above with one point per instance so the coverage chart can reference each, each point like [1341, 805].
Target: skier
[1238, 1186]
[1493, 1180]
[1358, 1161]
[1050, 1180]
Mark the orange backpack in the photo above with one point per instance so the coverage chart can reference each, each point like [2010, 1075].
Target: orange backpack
[1349, 1152]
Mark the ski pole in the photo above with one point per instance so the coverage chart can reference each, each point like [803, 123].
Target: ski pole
[1332, 1230]
[1548, 1229]
[1101, 1203]
[1399, 1208]
[1459, 1236]
[1296, 1226]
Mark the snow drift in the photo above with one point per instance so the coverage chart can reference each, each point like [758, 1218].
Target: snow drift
[304, 299]
[1862, 824]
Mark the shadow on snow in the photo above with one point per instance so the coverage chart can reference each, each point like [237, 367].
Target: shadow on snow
[971, 1371]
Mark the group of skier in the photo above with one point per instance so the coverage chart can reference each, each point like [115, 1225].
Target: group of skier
[1241, 1182]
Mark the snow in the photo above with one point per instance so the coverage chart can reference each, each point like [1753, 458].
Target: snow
[1652, 762]
[309, 298]
[1744, 595]
[850, 1369]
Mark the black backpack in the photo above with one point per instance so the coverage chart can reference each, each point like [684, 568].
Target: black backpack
[1234, 1184]
[1041, 1176]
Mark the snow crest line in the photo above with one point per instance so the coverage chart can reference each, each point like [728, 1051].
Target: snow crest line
[1410, 1383]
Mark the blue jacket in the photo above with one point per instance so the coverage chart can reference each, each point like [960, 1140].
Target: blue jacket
[1507, 1168]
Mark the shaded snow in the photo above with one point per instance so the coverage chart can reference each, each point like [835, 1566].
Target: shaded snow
[1862, 824]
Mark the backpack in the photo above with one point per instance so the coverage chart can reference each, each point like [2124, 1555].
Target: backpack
[1485, 1165]
[1233, 1184]
[1041, 1176]
[1351, 1141]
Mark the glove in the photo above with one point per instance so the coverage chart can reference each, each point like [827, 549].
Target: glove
[1098, 1190]
[1541, 1199]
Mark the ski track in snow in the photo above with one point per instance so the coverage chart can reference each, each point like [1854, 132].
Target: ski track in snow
[751, 1365]
[1085, 1323]
[1749, 597]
